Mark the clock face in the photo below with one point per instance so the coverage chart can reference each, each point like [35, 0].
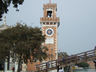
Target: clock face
[49, 32]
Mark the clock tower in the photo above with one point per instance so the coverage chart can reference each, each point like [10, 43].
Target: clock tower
[50, 23]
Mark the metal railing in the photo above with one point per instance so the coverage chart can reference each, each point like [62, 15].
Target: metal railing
[73, 59]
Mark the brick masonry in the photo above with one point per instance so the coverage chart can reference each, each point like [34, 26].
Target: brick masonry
[48, 23]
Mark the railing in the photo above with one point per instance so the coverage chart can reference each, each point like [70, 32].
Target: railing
[73, 59]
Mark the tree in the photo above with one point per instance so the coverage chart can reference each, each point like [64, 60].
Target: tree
[25, 42]
[4, 4]
[83, 64]
[62, 55]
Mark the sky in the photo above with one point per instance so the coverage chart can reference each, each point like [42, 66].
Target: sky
[77, 30]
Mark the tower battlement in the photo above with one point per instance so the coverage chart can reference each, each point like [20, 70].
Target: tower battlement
[47, 19]
[50, 5]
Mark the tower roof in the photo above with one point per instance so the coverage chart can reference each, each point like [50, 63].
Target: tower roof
[50, 5]
[49, 16]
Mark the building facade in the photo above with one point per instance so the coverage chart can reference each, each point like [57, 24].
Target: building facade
[50, 23]
[4, 25]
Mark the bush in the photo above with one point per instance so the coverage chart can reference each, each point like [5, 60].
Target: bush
[83, 64]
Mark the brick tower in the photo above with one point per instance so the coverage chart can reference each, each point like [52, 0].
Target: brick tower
[50, 24]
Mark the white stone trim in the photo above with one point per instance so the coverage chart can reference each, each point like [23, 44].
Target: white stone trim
[56, 43]
[49, 9]
[49, 25]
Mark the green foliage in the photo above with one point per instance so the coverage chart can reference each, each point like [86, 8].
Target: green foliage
[4, 4]
[24, 41]
[83, 64]
[67, 69]
[62, 55]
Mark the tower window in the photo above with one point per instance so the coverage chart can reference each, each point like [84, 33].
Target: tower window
[47, 23]
[51, 23]
[54, 23]
[43, 22]
[49, 13]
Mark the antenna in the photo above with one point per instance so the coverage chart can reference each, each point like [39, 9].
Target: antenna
[50, 1]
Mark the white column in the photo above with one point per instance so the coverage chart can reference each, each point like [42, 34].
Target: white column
[5, 66]
[10, 63]
[16, 66]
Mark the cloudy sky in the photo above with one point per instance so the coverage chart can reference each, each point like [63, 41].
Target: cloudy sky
[77, 30]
